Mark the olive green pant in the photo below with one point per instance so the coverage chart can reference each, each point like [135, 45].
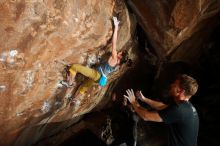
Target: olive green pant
[92, 74]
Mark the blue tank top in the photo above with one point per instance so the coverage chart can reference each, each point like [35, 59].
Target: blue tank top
[105, 69]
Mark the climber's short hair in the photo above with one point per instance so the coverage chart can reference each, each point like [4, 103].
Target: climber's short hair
[188, 83]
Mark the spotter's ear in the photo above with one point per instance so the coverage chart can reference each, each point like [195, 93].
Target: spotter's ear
[181, 91]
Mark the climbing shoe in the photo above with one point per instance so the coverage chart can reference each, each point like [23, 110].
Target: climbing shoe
[82, 90]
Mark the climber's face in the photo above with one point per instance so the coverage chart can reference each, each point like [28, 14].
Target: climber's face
[119, 56]
[122, 57]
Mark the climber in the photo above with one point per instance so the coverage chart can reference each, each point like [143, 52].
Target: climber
[181, 116]
[103, 70]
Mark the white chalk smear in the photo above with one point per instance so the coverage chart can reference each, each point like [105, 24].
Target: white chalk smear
[13, 53]
[9, 56]
[2, 88]
[92, 59]
[3, 56]
[45, 107]
[57, 103]
[59, 85]
[29, 78]
[19, 114]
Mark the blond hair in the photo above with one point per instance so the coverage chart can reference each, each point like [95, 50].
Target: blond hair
[188, 84]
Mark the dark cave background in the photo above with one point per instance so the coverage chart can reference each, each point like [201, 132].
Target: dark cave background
[145, 77]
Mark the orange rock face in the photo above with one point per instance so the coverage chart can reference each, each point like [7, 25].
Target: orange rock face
[174, 28]
[40, 37]
[37, 39]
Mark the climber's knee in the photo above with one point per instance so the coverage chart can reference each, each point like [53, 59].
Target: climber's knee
[73, 69]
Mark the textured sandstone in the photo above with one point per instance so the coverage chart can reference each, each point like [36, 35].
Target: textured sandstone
[177, 28]
[37, 38]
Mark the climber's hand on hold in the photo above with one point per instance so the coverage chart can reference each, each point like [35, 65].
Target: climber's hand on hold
[116, 21]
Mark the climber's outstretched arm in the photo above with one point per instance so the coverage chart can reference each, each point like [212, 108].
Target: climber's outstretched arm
[115, 36]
